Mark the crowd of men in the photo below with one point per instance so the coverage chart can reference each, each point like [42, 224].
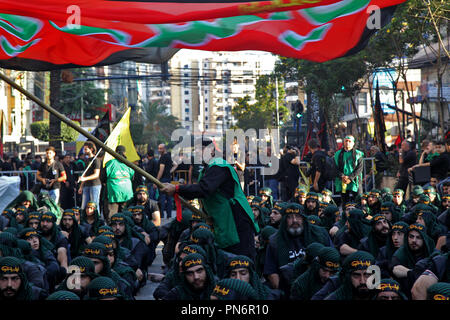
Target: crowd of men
[303, 243]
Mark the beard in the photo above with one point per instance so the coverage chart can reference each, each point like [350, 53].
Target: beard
[362, 292]
[382, 236]
[416, 250]
[8, 293]
[65, 228]
[46, 232]
[198, 285]
[295, 232]
[141, 200]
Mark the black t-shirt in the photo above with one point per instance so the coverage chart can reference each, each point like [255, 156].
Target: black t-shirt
[318, 164]
[95, 165]
[292, 171]
[152, 167]
[440, 165]
[7, 166]
[183, 167]
[150, 207]
[51, 172]
[61, 241]
[166, 160]
[409, 159]
[296, 250]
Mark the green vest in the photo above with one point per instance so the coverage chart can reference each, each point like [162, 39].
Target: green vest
[218, 207]
[118, 181]
[349, 166]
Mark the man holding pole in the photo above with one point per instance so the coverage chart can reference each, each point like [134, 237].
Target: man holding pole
[224, 202]
[90, 181]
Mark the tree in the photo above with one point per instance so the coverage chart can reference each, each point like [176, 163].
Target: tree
[40, 130]
[82, 94]
[259, 115]
[153, 125]
[416, 24]
[325, 80]
[434, 18]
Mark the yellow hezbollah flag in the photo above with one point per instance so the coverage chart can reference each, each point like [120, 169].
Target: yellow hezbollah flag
[121, 136]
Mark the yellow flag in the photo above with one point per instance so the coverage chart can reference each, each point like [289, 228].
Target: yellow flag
[121, 136]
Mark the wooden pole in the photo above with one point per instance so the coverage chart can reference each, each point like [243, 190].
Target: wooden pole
[94, 139]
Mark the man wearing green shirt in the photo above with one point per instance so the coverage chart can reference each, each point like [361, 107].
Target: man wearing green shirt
[349, 164]
[118, 183]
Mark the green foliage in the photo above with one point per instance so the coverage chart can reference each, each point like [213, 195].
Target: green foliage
[411, 27]
[40, 130]
[259, 115]
[340, 76]
[85, 93]
[153, 126]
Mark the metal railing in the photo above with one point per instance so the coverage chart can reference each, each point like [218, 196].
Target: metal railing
[368, 166]
[28, 177]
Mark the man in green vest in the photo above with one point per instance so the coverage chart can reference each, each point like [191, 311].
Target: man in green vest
[349, 164]
[224, 202]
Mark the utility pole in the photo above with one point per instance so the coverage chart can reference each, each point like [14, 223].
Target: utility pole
[277, 104]
[81, 104]
[55, 123]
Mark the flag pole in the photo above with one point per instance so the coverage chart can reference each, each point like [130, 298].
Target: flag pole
[90, 163]
[112, 152]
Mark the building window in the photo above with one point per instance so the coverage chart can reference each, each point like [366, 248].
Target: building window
[186, 110]
[206, 118]
[186, 84]
[186, 92]
[186, 101]
[362, 100]
[206, 100]
[186, 66]
[186, 74]
[206, 91]
[187, 118]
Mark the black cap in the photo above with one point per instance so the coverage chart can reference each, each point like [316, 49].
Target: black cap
[120, 149]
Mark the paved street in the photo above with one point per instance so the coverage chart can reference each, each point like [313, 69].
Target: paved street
[146, 292]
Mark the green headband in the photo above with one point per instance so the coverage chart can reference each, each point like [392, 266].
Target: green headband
[350, 138]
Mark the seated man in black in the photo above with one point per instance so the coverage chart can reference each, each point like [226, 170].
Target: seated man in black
[290, 242]
[51, 231]
[151, 208]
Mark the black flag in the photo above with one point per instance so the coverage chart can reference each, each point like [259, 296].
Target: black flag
[378, 117]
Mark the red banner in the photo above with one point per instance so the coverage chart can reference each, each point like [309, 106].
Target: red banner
[49, 34]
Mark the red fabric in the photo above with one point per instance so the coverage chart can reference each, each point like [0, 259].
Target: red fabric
[306, 148]
[44, 29]
[398, 141]
[178, 203]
